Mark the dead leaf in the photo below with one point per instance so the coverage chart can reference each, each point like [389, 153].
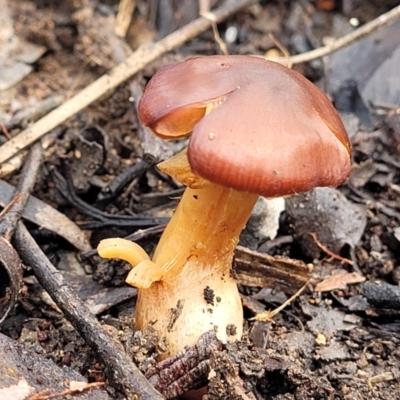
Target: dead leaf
[47, 217]
[339, 281]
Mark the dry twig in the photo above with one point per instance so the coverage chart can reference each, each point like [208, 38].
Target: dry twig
[327, 251]
[144, 55]
[121, 372]
[47, 217]
[43, 395]
[9, 220]
[267, 316]
[14, 200]
[223, 47]
[124, 16]
[9, 259]
[380, 22]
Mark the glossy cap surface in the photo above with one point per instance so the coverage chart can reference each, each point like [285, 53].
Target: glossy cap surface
[269, 130]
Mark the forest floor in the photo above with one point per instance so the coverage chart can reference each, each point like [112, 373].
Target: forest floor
[96, 178]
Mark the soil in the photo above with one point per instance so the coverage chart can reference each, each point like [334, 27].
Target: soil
[341, 342]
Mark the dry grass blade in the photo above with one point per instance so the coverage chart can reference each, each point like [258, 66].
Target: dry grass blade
[267, 316]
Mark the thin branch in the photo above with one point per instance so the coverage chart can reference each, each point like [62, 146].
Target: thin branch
[209, 15]
[9, 259]
[139, 59]
[8, 221]
[5, 210]
[282, 49]
[120, 370]
[43, 395]
[379, 22]
[11, 264]
[124, 17]
[330, 253]
[267, 316]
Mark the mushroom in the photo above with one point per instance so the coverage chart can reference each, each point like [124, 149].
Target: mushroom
[257, 128]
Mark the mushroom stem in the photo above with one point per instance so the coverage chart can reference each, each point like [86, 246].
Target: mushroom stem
[197, 292]
[205, 226]
[187, 288]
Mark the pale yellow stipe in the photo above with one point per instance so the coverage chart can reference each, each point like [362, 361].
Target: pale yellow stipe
[193, 256]
[123, 249]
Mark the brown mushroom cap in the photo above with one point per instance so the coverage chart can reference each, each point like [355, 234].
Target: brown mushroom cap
[270, 130]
